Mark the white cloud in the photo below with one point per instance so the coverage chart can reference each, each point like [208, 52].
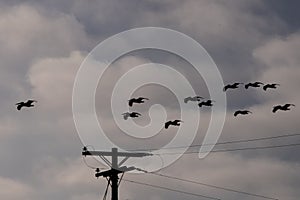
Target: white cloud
[52, 81]
[280, 52]
[281, 56]
[29, 31]
[14, 190]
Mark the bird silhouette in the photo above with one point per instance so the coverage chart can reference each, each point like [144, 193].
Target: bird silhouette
[284, 107]
[195, 98]
[231, 86]
[136, 100]
[241, 112]
[271, 86]
[206, 103]
[173, 123]
[255, 84]
[28, 103]
[130, 114]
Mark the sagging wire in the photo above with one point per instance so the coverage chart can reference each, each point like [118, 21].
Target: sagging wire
[106, 190]
[86, 163]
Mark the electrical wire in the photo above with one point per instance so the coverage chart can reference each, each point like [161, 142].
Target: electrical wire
[236, 149]
[106, 190]
[84, 160]
[214, 151]
[212, 186]
[170, 189]
[86, 163]
[225, 142]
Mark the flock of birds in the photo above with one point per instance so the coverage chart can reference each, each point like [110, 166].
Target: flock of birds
[202, 102]
[265, 87]
[209, 102]
[254, 85]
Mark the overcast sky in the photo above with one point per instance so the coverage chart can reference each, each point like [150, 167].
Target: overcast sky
[43, 43]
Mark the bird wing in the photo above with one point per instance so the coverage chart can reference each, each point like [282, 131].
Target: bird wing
[136, 113]
[142, 98]
[31, 101]
[288, 105]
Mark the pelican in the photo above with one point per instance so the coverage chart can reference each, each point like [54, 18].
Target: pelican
[174, 123]
[195, 98]
[231, 86]
[206, 103]
[284, 107]
[132, 115]
[255, 84]
[241, 112]
[272, 86]
[136, 100]
[29, 103]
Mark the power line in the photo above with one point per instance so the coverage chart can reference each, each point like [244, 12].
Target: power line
[170, 189]
[225, 142]
[212, 186]
[230, 150]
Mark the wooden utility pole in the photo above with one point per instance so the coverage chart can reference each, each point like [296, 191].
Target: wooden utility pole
[115, 165]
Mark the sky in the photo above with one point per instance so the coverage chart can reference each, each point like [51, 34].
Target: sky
[43, 44]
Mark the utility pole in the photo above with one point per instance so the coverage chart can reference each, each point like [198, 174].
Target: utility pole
[116, 166]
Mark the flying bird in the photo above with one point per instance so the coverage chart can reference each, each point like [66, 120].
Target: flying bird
[241, 112]
[271, 86]
[231, 86]
[29, 103]
[136, 100]
[255, 84]
[206, 103]
[173, 123]
[195, 98]
[132, 115]
[284, 107]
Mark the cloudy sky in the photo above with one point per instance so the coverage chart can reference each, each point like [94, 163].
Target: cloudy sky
[43, 44]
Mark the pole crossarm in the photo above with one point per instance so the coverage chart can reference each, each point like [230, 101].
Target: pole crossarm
[119, 154]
